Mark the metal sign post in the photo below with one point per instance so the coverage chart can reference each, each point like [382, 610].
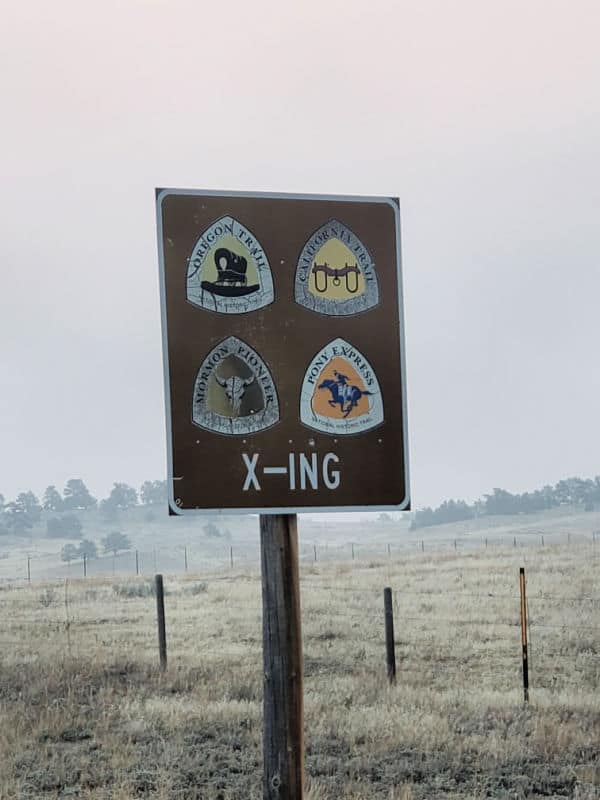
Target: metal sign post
[285, 390]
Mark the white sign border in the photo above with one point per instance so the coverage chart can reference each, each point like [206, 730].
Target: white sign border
[394, 203]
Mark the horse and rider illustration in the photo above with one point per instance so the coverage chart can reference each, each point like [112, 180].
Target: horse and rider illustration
[343, 393]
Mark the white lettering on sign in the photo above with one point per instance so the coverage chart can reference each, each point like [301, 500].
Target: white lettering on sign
[250, 472]
[331, 477]
[302, 471]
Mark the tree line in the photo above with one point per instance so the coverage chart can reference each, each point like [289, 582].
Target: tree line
[582, 492]
[20, 515]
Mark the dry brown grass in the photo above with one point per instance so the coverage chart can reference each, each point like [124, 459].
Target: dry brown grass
[86, 713]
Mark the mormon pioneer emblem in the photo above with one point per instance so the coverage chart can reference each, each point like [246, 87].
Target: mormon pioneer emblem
[228, 270]
[234, 392]
[335, 273]
[340, 392]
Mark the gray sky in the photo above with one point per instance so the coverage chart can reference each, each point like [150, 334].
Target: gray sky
[482, 116]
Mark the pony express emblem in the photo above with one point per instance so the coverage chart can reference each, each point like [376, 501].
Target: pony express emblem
[228, 270]
[340, 393]
[234, 392]
[335, 273]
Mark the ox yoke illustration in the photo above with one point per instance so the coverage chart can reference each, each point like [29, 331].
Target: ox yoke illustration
[335, 274]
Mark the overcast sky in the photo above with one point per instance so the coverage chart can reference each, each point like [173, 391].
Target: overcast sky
[483, 117]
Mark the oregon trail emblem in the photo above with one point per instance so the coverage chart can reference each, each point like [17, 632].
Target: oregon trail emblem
[335, 273]
[234, 392]
[228, 270]
[340, 392]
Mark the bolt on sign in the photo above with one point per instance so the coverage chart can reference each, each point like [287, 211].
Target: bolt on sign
[284, 352]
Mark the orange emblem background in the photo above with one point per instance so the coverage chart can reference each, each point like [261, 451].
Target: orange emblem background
[321, 397]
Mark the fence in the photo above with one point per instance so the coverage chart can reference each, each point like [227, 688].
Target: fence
[28, 567]
[445, 635]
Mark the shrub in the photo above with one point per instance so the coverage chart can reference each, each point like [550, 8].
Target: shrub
[47, 597]
[145, 589]
[211, 530]
[69, 553]
[198, 588]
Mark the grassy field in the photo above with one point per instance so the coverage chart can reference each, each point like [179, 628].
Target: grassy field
[86, 713]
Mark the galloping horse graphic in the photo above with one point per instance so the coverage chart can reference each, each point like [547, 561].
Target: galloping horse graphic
[343, 393]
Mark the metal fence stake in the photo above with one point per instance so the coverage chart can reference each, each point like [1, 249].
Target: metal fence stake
[160, 613]
[524, 634]
[390, 647]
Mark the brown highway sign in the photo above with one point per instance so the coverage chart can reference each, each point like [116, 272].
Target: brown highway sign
[284, 352]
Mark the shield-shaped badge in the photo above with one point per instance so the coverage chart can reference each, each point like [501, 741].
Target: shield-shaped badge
[335, 274]
[228, 271]
[234, 392]
[340, 392]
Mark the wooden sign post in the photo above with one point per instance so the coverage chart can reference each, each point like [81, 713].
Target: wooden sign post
[283, 734]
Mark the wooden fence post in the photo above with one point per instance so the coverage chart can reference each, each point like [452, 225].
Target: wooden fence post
[231, 557]
[185, 561]
[389, 549]
[422, 545]
[515, 541]
[137, 563]
[353, 551]
[283, 701]
[160, 613]
[390, 647]
[28, 569]
[524, 635]
[84, 565]
[315, 549]
[542, 540]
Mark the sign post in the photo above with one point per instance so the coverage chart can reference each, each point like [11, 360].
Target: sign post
[283, 735]
[285, 390]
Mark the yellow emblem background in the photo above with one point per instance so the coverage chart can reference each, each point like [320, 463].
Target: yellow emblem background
[336, 254]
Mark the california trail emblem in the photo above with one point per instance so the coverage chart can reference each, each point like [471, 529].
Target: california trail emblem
[234, 392]
[228, 270]
[335, 273]
[340, 392]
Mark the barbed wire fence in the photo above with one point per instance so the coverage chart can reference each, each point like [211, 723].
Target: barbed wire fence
[181, 559]
[442, 636]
